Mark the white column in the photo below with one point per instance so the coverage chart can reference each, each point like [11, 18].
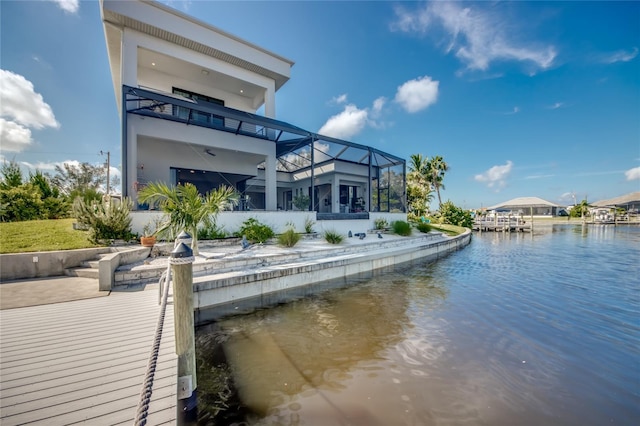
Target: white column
[129, 59]
[270, 101]
[270, 183]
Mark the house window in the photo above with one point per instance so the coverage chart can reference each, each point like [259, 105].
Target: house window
[203, 100]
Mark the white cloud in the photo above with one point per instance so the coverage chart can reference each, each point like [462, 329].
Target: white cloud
[22, 104]
[633, 174]
[496, 176]
[69, 6]
[340, 99]
[21, 108]
[567, 196]
[556, 105]
[376, 113]
[620, 56]
[113, 171]
[378, 104]
[418, 94]
[346, 124]
[14, 137]
[538, 176]
[476, 36]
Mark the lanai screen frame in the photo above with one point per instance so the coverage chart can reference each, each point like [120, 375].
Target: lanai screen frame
[289, 139]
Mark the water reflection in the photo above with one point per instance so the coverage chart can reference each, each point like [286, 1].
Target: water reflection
[514, 329]
[274, 364]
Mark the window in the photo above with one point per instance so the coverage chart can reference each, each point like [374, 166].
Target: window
[203, 100]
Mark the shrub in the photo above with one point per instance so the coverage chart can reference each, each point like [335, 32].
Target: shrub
[380, 223]
[255, 231]
[455, 215]
[401, 227]
[333, 237]
[21, 203]
[105, 220]
[211, 232]
[423, 227]
[289, 238]
[301, 201]
[308, 225]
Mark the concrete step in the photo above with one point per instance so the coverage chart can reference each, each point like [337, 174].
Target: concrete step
[84, 272]
[90, 264]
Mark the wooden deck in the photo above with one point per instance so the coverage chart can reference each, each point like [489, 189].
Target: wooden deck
[502, 226]
[85, 361]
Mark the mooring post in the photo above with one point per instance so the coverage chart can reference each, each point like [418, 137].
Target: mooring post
[182, 270]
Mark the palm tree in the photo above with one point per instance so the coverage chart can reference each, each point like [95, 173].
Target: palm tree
[418, 189]
[186, 207]
[581, 210]
[436, 168]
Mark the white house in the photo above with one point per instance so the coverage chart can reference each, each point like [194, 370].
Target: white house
[197, 105]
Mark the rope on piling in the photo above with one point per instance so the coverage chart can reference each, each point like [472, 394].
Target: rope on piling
[147, 386]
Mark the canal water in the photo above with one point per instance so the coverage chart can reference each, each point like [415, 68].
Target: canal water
[515, 329]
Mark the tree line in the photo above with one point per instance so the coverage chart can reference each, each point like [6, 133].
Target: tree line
[48, 196]
[426, 176]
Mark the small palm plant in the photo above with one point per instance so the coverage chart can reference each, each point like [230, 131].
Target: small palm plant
[186, 208]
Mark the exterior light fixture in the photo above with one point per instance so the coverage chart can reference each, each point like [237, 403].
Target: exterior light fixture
[205, 72]
[153, 64]
[241, 91]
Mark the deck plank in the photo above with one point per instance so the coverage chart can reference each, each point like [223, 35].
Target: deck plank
[84, 361]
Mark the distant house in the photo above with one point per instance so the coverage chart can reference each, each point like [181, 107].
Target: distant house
[197, 105]
[629, 202]
[529, 206]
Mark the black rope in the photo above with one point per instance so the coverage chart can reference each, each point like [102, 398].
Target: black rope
[147, 386]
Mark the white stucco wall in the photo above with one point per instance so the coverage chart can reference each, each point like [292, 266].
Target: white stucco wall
[163, 144]
[153, 79]
[278, 221]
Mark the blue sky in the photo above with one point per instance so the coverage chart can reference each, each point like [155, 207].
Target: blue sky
[520, 98]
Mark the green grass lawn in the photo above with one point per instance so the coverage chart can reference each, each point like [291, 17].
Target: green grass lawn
[42, 235]
[451, 230]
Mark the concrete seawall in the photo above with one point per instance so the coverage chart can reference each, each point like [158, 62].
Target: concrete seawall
[266, 284]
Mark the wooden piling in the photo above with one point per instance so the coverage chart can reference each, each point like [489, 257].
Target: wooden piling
[182, 271]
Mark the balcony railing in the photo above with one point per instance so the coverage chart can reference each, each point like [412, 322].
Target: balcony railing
[167, 106]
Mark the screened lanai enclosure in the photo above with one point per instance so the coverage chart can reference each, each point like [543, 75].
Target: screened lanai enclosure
[272, 165]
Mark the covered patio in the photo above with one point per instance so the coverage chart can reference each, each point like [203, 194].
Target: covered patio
[269, 162]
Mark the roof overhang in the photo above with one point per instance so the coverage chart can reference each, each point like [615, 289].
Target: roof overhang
[162, 22]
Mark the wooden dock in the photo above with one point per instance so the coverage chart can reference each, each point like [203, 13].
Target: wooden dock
[502, 226]
[85, 361]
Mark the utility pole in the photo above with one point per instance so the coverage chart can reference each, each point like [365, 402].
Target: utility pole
[108, 168]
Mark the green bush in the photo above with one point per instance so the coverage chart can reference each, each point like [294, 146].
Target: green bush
[333, 237]
[21, 203]
[308, 225]
[105, 220]
[380, 223]
[289, 238]
[423, 227]
[211, 232]
[255, 231]
[453, 215]
[401, 227]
